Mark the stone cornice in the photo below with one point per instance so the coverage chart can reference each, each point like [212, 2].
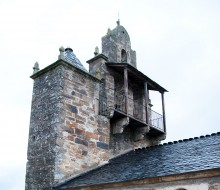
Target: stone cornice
[58, 63]
[97, 57]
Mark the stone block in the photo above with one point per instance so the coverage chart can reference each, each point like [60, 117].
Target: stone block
[80, 118]
[73, 109]
[91, 135]
[69, 114]
[84, 153]
[102, 138]
[79, 132]
[92, 145]
[70, 137]
[102, 145]
[71, 124]
[81, 141]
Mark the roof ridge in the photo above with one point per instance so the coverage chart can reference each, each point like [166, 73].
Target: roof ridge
[194, 138]
[179, 141]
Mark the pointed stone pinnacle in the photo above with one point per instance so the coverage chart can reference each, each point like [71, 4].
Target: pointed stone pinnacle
[96, 51]
[36, 68]
[61, 55]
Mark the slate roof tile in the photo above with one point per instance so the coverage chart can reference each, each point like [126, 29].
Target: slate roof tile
[180, 157]
[70, 57]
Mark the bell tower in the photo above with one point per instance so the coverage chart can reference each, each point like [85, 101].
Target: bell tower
[66, 136]
[116, 45]
[81, 119]
[125, 95]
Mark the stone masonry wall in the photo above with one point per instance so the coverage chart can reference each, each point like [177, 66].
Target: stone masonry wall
[44, 120]
[98, 68]
[123, 44]
[120, 143]
[67, 136]
[133, 58]
[109, 48]
[114, 42]
[83, 139]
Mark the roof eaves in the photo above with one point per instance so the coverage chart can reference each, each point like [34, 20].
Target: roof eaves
[140, 74]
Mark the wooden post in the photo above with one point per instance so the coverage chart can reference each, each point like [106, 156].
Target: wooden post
[146, 97]
[163, 109]
[126, 89]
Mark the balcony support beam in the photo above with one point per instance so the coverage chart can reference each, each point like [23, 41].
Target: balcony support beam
[163, 109]
[126, 88]
[146, 97]
[119, 125]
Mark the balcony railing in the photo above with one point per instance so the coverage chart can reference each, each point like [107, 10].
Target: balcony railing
[155, 120]
[136, 109]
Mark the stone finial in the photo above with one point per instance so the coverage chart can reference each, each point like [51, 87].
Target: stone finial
[118, 22]
[36, 68]
[96, 51]
[109, 31]
[61, 49]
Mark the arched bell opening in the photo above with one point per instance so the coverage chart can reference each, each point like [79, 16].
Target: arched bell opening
[123, 56]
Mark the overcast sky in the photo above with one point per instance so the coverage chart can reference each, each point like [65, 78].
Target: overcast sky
[177, 44]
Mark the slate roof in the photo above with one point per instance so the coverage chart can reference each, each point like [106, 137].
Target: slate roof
[70, 57]
[188, 155]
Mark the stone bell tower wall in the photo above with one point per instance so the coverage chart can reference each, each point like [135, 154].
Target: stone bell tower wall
[109, 48]
[116, 46]
[83, 137]
[114, 86]
[67, 136]
[45, 119]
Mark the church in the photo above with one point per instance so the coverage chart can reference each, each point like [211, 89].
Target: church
[97, 129]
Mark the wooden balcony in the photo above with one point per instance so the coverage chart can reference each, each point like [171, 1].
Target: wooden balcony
[137, 114]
